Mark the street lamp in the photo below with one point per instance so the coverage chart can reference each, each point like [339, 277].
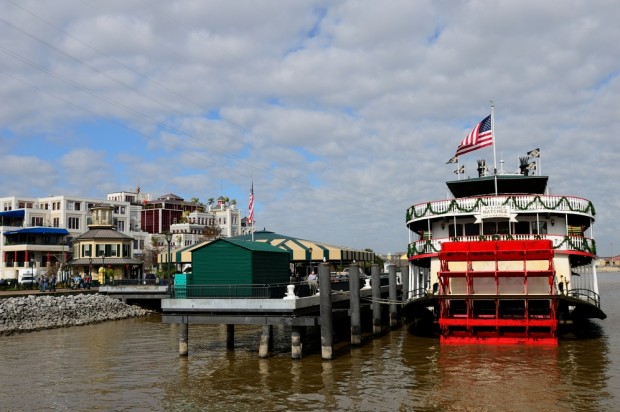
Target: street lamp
[168, 239]
[102, 278]
[310, 259]
[32, 272]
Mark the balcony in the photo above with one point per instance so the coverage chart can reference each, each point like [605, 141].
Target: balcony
[529, 203]
[560, 243]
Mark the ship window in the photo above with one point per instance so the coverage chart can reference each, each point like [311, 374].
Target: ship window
[472, 229]
[502, 228]
[542, 228]
[522, 228]
[455, 230]
[489, 228]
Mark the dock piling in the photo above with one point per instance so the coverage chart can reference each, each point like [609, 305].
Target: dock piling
[183, 338]
[230, 336]
[296, 348]
[392, 296]
[404, 274]
[327, 325]
[265, 341]
[375, 284]
[354, 299]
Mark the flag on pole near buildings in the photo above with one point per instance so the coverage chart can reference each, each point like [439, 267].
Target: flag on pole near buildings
[251, 205]
[455, 159]
[532, 166]
[460, 170]
[533, 153]
[481, 136]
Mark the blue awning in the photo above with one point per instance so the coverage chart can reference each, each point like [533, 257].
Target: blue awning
[13, 213]
[39, 231]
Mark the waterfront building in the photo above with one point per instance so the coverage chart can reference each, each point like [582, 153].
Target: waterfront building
[36, 233]
[219, 220]
[103, 250]
[158, 215]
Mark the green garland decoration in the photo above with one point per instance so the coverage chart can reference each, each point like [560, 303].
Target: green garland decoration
[510, 201]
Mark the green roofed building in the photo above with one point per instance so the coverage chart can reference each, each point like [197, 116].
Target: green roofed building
[241, 262]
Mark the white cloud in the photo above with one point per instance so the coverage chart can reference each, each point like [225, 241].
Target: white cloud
[344, 113]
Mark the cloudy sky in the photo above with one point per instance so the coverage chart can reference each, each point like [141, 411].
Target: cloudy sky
[342, 113]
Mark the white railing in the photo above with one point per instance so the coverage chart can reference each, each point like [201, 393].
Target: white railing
[530, 203]
[560, 243]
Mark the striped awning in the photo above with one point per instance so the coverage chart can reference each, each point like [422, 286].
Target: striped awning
[301, 250]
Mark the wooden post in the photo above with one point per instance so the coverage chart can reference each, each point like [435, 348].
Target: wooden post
[265, 341]
[296, 348]
[404, 272]
[392, 296]
[375, 284]
[325, 301]
[354, 299]
[183, 338]
[230, 336]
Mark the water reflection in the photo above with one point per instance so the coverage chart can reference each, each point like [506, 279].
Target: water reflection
[134, 365]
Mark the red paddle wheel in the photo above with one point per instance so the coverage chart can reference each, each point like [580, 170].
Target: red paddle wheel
[497, 292]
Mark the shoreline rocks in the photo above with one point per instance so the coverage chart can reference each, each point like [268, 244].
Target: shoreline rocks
[32, 313]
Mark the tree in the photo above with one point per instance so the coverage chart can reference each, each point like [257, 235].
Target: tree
[210, 233]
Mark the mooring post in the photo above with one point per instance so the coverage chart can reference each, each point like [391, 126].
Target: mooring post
[375, 285]
[325, 301]
[265, 341]
[404, 271]
[230, 336]
[183, 338]
[354, 304]
[393, 296]
[296, 348]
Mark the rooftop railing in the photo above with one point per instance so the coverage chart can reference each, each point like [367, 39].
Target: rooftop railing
[560, 243]
[532, 203]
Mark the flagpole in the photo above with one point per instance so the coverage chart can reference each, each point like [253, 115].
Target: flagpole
[493, 135]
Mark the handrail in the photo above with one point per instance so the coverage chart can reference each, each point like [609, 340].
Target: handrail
[560, 242]
[586, 294]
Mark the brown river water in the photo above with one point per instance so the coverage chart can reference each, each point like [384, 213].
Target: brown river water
[133, 365]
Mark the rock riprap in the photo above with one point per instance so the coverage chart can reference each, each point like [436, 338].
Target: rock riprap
[30, 313]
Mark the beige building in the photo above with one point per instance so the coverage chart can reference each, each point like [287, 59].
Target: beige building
[104, 252]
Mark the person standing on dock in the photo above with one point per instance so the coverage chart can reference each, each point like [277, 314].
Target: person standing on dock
[313, 283]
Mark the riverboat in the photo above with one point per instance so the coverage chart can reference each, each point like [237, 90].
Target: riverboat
[501, 260]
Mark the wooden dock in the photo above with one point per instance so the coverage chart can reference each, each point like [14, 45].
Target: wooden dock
[319, 310]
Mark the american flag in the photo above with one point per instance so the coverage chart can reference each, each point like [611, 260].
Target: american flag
[481, 136]
[251, 205]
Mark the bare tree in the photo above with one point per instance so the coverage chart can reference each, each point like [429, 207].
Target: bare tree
[210, 233]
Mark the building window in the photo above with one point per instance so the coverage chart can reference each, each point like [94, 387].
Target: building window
[73, 223]
[56, 221]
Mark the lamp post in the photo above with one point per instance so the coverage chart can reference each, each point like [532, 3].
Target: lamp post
[310, 260]
[90, 267]
[168, 239]
[102, 279]
[32, 272]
